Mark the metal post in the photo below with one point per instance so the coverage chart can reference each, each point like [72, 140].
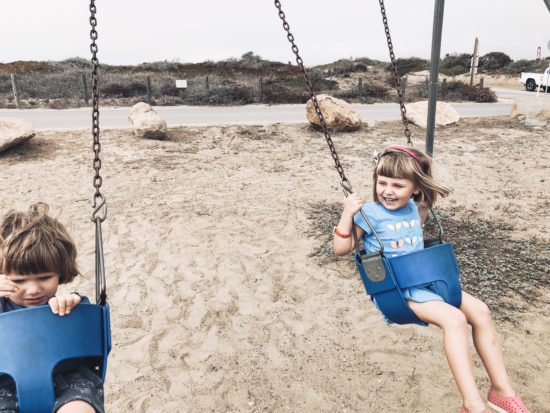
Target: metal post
[261, 84]
[360, 87]
[434, 73]
[14, 89]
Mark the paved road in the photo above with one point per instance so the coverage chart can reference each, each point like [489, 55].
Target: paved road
[47, 119]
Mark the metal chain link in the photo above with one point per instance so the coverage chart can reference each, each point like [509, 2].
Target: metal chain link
[396, 74]
[345, 183]
[99, 199]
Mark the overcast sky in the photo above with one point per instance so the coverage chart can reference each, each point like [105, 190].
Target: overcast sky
[136, 31]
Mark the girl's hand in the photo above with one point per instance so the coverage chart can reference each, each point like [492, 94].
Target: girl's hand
[7, 287]
[63, 304]
[352, 204]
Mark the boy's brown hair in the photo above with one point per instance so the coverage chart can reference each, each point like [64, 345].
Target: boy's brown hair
[32, 242]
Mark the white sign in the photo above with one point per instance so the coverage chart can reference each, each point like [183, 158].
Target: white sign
[181, 83]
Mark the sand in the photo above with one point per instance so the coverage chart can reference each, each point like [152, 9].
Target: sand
[217, 303]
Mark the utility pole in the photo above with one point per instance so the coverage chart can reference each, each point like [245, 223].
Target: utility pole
[434, 73]
[473, 62]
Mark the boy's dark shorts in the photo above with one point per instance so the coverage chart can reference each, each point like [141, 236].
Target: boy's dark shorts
[80, 384]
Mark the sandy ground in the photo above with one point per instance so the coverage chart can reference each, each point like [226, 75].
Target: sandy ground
[217, 303]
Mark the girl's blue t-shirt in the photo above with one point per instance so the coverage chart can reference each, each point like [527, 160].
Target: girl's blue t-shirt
[399, 230]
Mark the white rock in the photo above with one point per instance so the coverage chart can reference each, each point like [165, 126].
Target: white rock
[533, 109]
[339, 114]
[14, 132]
[445, 114]
[147, 124]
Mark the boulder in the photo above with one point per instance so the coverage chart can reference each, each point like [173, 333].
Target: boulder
[339, 114]
[445, 114]
[14, 132]
[532, 109]
[147, 124]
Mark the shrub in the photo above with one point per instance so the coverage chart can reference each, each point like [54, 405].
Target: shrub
[229, 95]
[461, 91]
[369, 92]
[515, 68]
[455, 64]
[407, 65]
[284, 95]
[124, 90]
[494, 61]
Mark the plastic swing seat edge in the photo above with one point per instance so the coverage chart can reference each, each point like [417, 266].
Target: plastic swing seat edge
[85, 333]
[438, 268]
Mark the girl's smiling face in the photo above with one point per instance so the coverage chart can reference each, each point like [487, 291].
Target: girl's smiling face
[394, 193]
[34, 289]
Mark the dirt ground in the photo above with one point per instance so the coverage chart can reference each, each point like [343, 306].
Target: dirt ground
[225, 296]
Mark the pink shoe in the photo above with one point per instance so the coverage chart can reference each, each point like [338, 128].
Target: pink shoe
[504, 404]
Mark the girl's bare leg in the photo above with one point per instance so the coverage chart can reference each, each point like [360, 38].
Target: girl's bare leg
[77, 406]
[457, 347]
[486, 343]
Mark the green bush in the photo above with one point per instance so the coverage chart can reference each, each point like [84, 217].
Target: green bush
[493, 62]
[229, 95]
[368, 93]
[515, 68]
[408, 65]
[455, 64]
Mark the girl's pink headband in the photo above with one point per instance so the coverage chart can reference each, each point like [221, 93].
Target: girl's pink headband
[407, 151]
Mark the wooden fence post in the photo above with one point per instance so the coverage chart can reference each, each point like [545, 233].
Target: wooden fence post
[481, 82]
[444, 87]
[427, 85]
[261, 84]
[149, 94]
[360, 86]
[84, 89]
[14, 88]
[404, 85]
[206, 84]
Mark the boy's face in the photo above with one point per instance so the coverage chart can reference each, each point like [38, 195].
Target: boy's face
[394, 193]
[35, 289]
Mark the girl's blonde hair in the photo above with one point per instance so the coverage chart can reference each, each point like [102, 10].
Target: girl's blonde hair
[32, 242]
[414, 165]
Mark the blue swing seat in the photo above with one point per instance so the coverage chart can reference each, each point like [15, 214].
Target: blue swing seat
[384, 277]
[30, 359]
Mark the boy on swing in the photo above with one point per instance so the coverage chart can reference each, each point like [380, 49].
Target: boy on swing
[36, 255]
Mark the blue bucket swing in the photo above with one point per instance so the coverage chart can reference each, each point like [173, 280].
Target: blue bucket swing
[34, 342]
[385, 276]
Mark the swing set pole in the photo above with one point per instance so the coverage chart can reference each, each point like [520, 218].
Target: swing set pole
[434, 74]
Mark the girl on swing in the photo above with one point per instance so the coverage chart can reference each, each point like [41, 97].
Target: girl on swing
[403, 179]
[36, 255]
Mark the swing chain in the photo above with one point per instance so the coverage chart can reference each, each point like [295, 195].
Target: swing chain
[345, 183]
[99, 199]
[396, 74]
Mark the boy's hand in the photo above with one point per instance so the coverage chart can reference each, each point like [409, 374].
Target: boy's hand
[7, 287]
[352, 204]
[63, 304]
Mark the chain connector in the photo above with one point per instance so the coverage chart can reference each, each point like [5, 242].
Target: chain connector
[98, 206]
[346, 186]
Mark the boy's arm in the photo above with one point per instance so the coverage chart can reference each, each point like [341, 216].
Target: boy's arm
[63, 304]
